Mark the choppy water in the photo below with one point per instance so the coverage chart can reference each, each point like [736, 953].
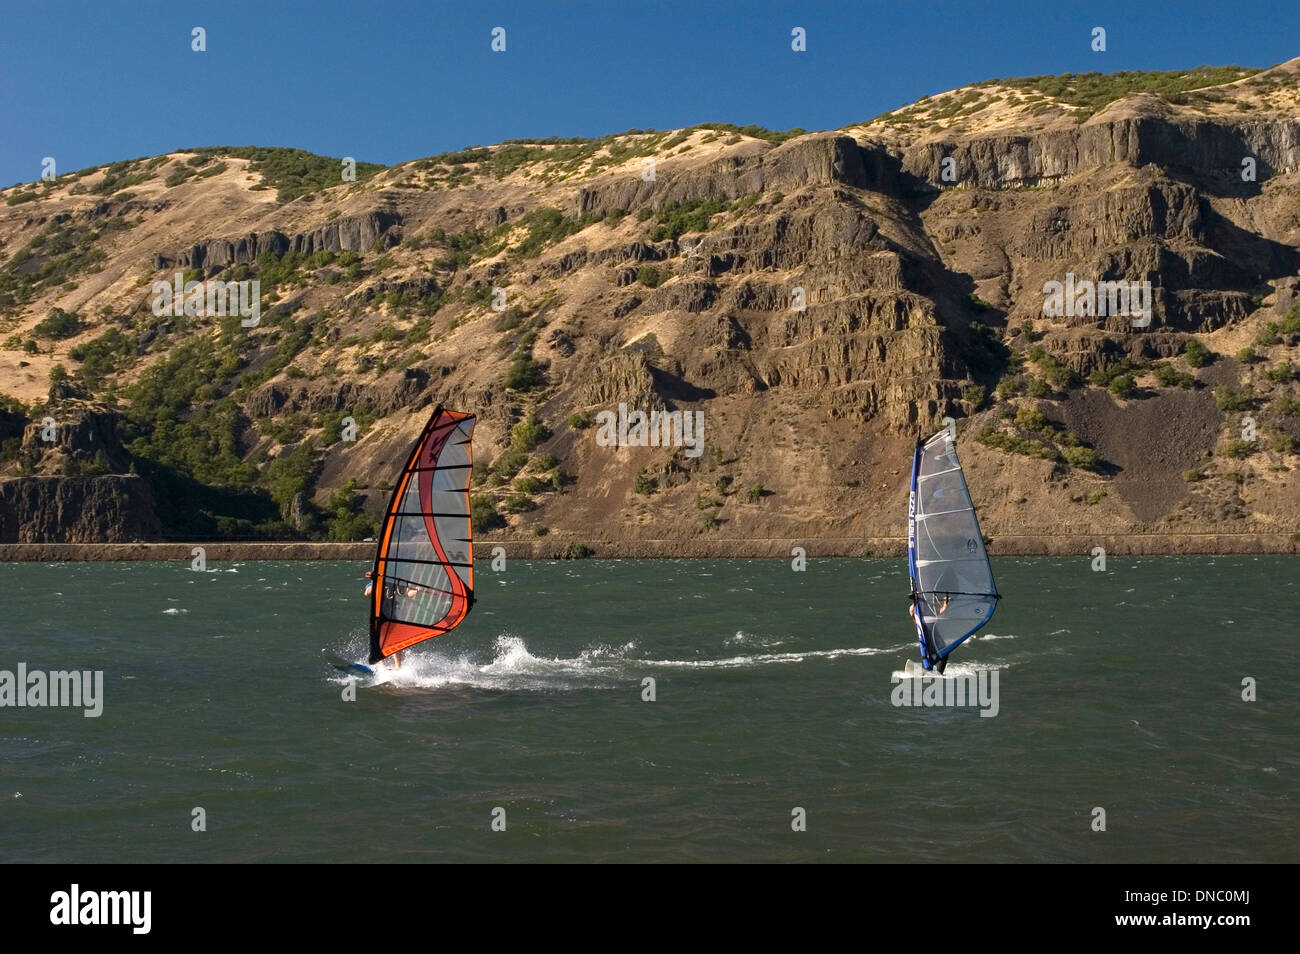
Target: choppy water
[1119, 690]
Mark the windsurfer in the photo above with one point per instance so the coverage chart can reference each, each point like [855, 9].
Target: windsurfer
[370, 588]
[940, 606]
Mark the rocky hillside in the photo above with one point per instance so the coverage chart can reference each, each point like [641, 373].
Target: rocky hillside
[822, 298]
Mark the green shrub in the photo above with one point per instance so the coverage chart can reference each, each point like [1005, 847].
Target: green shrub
[346, 520]
[1281, 372]
[1247, 355]
[1269, 334]
[650, 276]
[1016, 445]
[1053, 371]
[1197, 355]
[1229, 400]
[1168, 376]
[1010, 386]
[528, 485]
[1290, 324]
[102, 356]
[546, 226]
[507, 465]
[1123, 386]
[528, 433]
[1288, 406]
[518, 502]
[643, 483]
[58, 324]
[292, 172]
[686, 215]
[292, 474]
[525, 374]
[216, 170]
[1093, 91]
[580, 420]
[1059, 376]
[1237, 448]
[61, 252]
[1030, 419]
[483, 515]
[1081, 458]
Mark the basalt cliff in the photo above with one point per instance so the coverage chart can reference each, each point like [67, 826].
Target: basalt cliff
[821, 298]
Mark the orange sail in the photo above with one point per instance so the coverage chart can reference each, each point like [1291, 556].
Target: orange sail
[424, 568]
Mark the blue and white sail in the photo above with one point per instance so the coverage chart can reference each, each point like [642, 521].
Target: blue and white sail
[953, 593]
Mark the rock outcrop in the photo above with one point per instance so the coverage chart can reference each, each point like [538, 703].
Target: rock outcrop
[108, 509]
[357, 233]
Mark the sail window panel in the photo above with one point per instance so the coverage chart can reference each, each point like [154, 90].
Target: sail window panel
[945, 491]
[938, 457]
[950, 536]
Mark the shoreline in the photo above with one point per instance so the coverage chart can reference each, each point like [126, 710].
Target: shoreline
[1122, 544]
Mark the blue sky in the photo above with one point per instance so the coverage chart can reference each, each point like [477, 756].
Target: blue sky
[89, 83]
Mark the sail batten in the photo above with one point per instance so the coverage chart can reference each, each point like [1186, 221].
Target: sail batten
[423, 579]
[953, 591]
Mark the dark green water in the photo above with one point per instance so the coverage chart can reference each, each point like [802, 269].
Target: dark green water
[1119, 690]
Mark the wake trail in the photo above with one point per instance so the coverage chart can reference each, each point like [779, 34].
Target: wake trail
[514, 667]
